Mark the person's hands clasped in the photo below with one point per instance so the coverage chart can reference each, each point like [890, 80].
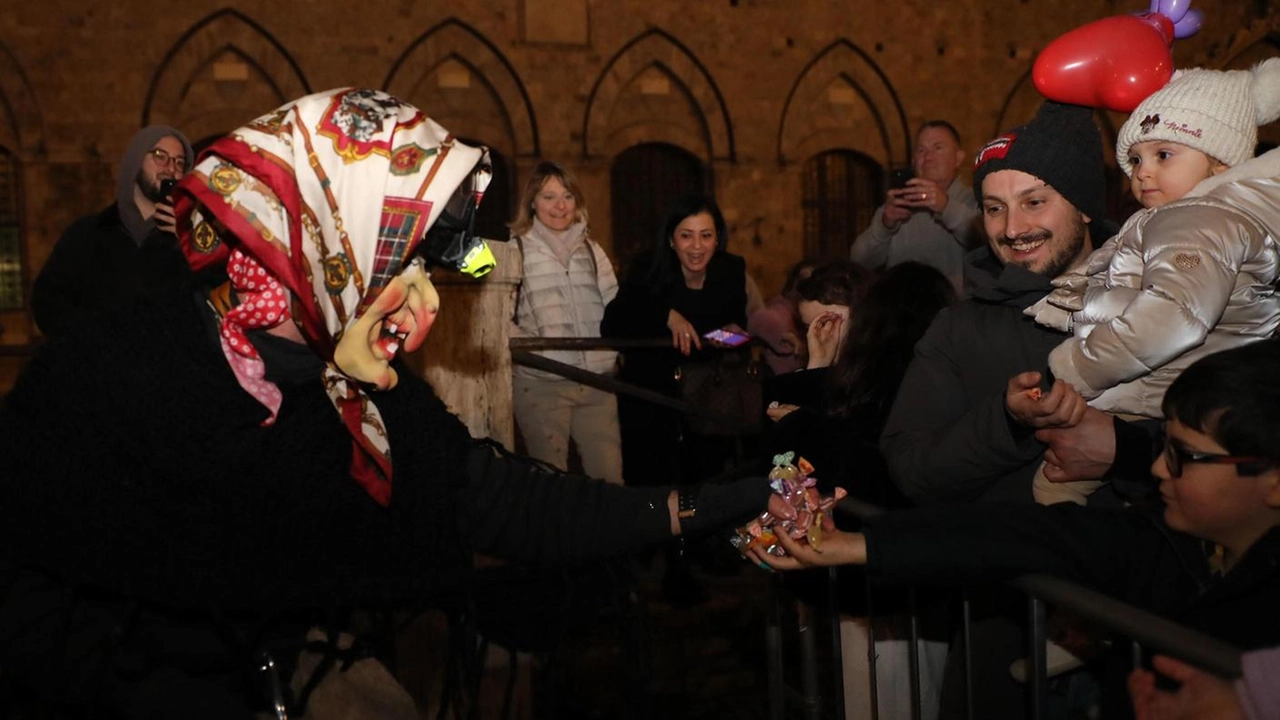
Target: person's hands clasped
[824, 337]
[164, 217]
[1201, 697]
[683, 335]
[1062, 406]
[1083, 452]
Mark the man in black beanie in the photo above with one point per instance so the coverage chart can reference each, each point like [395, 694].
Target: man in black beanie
[950, 436]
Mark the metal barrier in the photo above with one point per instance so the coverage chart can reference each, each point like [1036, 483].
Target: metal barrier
[1143, 628]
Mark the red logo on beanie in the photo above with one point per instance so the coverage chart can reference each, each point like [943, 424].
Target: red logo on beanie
[995, 149]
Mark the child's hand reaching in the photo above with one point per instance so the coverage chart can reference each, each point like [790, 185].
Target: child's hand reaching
[1061, 407]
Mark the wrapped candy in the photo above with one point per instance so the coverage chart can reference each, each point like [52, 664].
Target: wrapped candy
[797, 486]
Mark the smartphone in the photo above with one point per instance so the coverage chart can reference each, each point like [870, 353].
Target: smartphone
[728, 337]
[899, 176]
[167, 185]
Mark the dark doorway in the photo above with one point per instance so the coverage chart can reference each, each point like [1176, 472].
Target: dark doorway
[842, 190]
[644, 181]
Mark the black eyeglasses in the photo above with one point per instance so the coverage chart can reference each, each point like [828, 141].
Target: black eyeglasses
[1175, 457]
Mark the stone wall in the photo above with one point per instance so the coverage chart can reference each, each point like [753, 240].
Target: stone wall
[752, 87]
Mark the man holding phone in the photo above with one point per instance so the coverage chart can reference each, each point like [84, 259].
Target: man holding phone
[112, 258]
[927, 214]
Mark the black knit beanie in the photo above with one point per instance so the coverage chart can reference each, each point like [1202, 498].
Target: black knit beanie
[1060, 146]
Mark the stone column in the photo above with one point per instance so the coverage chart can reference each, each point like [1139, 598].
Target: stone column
[465, 358]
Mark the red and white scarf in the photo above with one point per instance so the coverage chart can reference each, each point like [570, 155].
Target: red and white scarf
[313, 209]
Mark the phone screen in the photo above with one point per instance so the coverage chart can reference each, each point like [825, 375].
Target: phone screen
[728, 337]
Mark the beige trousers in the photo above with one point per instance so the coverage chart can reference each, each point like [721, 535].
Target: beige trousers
[551, 412]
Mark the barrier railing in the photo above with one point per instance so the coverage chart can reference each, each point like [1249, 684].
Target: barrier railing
[1145, 629]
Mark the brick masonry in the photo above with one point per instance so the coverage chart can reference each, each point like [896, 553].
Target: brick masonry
[752, 87]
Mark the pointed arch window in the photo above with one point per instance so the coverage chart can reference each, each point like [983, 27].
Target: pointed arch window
[842, 190]
[11, 285]
[644, 181]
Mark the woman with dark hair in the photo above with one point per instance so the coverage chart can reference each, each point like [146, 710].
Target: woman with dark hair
[688, 286]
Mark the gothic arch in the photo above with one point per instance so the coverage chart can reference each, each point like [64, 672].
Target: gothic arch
[708, 131]
[454, 40]
[21, 124]
[810, 124]
[223, 72]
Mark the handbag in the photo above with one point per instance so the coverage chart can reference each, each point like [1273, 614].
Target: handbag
[729, 384]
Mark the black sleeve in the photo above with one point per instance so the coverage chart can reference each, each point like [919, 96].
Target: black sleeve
[1121, 552]
[522, 510]
[1136, 448]
[56, 294]
[635, 312]
[942, 445]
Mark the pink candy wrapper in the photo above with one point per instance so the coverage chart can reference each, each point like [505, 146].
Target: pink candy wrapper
[798, 487]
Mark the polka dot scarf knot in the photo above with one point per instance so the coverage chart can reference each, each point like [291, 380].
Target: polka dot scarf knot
[264, 303]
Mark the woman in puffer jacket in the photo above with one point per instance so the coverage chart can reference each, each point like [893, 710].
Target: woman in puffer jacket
[568, 280]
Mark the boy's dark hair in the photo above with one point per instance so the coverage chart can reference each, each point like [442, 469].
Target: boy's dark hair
[837, 283]
[797, 274]
[895, 312]
[1234, 397]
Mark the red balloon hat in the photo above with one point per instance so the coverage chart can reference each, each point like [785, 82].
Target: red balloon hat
[1115, 62]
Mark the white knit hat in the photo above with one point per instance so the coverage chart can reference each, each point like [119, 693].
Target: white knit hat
[1216, 112]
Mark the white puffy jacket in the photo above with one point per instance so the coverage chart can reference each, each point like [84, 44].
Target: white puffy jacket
[1179, 282]
[558, 300]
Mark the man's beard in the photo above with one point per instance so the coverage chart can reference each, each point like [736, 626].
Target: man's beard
[1065, 257]
[150, 188]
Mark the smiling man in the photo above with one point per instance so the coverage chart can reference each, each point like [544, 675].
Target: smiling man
[949, 436]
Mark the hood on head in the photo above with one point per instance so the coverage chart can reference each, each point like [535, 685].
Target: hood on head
[142, 141]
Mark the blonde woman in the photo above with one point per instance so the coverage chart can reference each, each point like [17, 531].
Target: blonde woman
[568, 280]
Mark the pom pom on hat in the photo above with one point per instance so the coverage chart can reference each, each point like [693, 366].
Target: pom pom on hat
[1216, 112]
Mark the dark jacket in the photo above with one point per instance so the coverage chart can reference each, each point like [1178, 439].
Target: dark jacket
[108, 261]
[1129, 554]
[97, 268]
[642, 305]
[136, 464]
[948, 437]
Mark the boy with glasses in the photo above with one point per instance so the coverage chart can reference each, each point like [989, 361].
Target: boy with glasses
[1207, 556]
[128, 251]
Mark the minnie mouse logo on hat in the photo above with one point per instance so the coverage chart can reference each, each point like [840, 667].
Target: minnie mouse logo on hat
[1149, 123]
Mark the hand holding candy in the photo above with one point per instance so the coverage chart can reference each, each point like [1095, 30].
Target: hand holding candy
[797, 488]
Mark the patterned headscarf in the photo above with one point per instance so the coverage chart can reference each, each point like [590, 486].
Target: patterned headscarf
[313, 209]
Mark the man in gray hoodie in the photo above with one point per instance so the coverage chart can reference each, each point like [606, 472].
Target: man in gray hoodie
[126, 252]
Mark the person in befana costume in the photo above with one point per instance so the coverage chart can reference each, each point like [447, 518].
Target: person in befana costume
[261, 451]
